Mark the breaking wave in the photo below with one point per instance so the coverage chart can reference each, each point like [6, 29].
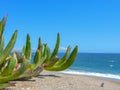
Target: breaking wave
[103, 75]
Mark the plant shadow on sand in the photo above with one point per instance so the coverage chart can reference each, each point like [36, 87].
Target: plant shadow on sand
[24, 79]
[48, 75]
[38, 76]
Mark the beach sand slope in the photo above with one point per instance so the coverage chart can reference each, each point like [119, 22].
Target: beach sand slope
[56, 81]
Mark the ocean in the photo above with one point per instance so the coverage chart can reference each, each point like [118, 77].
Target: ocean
[96, 64]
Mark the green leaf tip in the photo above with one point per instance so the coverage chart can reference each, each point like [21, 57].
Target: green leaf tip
[27, 48]
[55, 51]
[2, 25]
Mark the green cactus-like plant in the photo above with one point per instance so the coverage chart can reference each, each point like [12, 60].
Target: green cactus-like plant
[10, 66]
[58, 66]
[34, 67]
[7, 62]
[44, 60]
[53, 63]
[18, 66]
[6, 51]
[14, 75]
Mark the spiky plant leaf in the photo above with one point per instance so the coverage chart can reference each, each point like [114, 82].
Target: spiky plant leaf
[8, 48]
[17, 56]
[28, 48]
[23, 50]
[51, 57]
[37, 58]
[52, 62]
[31, 73]
[39, 44]
[39, 62]
[62, 60]
[55, 51]
[2, 25]
[10, 67]
[1, 44]
[44, 54]
[47, 54]
[1, 28]
[15, 75]
[66, 64]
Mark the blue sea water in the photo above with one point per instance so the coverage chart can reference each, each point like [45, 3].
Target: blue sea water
[96, 64]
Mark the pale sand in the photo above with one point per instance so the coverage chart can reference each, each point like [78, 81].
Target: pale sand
[57, 81]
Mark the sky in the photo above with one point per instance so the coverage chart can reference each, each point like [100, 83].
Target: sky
[93, 25]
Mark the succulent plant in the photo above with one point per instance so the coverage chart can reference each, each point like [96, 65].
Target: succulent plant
[8, 62]
[18, 66]
[53, 63]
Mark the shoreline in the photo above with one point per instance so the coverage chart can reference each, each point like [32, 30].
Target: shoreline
[104, 78]
[58, 81]
[115, 77]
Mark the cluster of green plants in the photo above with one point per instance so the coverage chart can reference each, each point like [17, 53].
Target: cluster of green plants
[20, 65]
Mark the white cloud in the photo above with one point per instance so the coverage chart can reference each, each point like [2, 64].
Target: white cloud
[62, 48]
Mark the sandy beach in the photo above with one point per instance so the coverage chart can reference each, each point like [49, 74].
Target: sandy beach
[57, 81]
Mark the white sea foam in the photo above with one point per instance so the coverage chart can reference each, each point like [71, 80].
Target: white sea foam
[110, 76]
[111, 61]
[111, 65]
